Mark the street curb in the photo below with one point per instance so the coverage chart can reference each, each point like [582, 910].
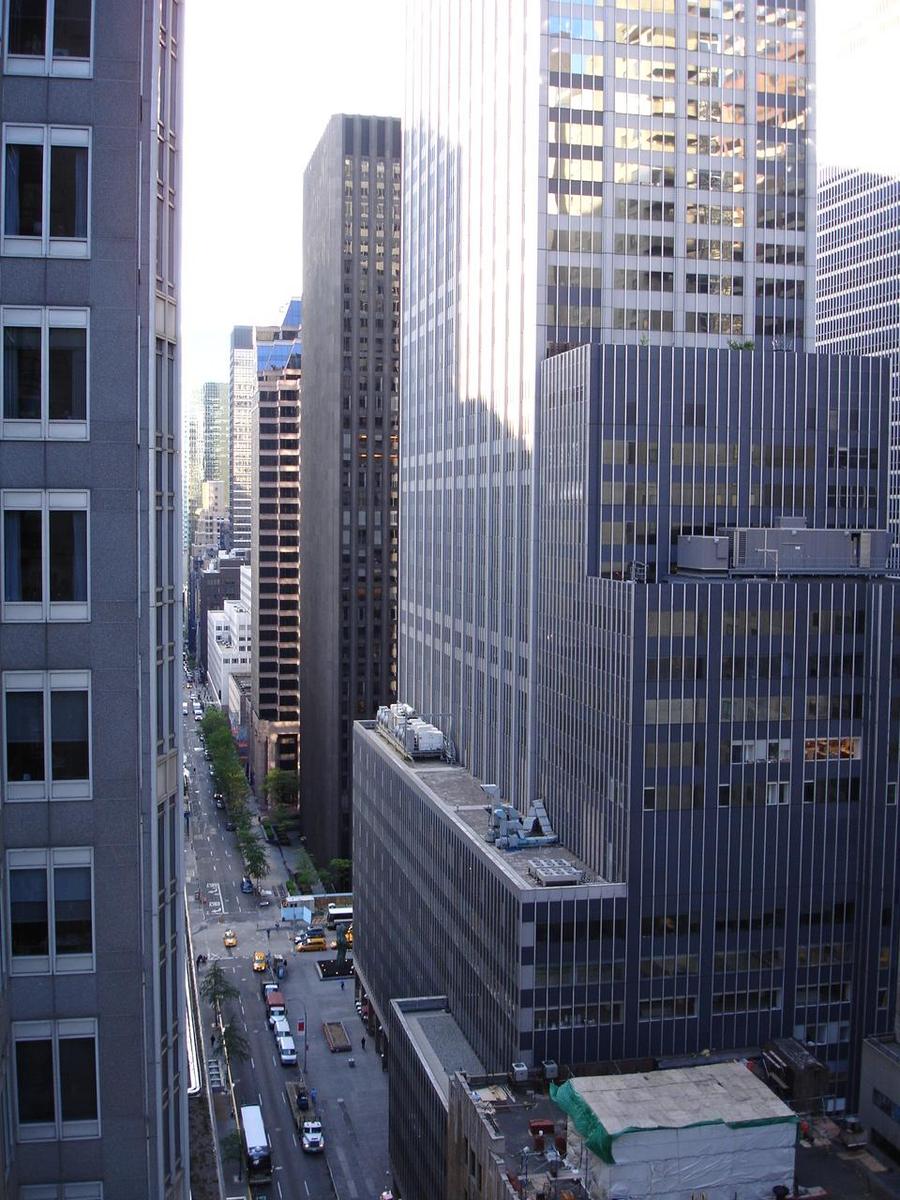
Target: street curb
[194, 1000]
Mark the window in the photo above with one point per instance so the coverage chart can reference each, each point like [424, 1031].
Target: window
[44, 373]
[56, 1079]
[48, 37]
[61, 1191]
[50, 911]
[46, 735]
[46, 191]
[45, 555]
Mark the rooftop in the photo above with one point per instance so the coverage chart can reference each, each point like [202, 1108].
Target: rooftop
[462, 799]
[439, 1041]
[674, 1099]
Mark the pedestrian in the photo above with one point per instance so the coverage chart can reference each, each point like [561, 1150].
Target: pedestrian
[342, 985]
[312, 1095]
[199, 959]
[212, 1039]
[363, 1043]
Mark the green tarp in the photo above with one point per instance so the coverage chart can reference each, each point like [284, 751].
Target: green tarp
[600, 1140]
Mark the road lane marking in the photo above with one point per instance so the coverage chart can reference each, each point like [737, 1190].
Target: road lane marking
[306, 1187]
[252, 1063]
[278, 1185]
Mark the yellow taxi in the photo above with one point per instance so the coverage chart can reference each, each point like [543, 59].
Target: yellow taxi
[229, 938]
[260, 960]
[313, 943]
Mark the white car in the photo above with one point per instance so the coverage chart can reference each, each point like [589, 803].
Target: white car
[287, 1051]
[281, 1027]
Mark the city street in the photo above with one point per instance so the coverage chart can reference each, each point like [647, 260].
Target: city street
[351, 1100]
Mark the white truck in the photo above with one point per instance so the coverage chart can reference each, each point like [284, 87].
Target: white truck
[303, 1110]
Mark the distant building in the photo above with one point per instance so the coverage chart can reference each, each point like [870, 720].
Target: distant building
[275, 545]
[192, 465]
[214, 403]
[858, 287]
[229, 647]
[209, 519]
[242, 388]
[349, 449]
[211, 587]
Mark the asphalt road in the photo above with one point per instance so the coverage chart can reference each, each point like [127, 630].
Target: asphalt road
[352, 1100]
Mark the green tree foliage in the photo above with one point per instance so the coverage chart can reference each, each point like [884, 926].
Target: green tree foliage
[236, 1046]
[256, 861]
[281, 787]
[341, 872]
[216, 989]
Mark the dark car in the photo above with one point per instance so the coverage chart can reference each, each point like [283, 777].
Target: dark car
[247, 885]
[230, 826]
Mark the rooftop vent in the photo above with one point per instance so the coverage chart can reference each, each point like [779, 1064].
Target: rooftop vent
[508, 830]
[554, 872]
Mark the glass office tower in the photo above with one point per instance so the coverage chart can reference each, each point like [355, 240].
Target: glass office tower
[612, 172]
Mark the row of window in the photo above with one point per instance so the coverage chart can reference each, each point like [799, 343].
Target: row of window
[48, 37]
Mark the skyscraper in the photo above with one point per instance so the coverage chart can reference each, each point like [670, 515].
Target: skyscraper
[242, 392]
[214, 403]
[612, 176]
[643, 587]
[858, 286]
[275, 570]
[349, 449]
[92, 1039]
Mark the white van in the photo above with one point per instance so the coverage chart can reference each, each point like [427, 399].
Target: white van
[287, 1051]
[281, 1027]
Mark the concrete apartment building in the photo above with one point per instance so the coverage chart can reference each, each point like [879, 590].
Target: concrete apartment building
[242, 389]
[349, 447]
[93, 1076]
[275, 570]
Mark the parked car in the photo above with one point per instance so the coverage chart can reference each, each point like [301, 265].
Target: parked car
[260, 960]
[230, 826]
[308, 943]
[247, 886]
[287, 1051]
[281, 1027]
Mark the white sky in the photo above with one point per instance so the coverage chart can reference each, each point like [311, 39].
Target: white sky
[261, 79]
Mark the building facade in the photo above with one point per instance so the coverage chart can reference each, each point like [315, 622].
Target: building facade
[349, 448]
[230, 647]
[93, 1076]
[858, 286]
[275, 570]
[242, 390]
[192, 469]
[569, 177]
[209, 588]
[718, 751]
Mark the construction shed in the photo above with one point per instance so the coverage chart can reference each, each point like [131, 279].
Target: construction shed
[672, 1135]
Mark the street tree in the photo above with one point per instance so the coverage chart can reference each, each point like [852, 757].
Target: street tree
[236, 1046]
[281, 787]
[216, 989]
[256, 861]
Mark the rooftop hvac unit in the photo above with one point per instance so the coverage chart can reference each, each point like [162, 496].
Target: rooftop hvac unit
[551, 1070]
[519, 1072]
